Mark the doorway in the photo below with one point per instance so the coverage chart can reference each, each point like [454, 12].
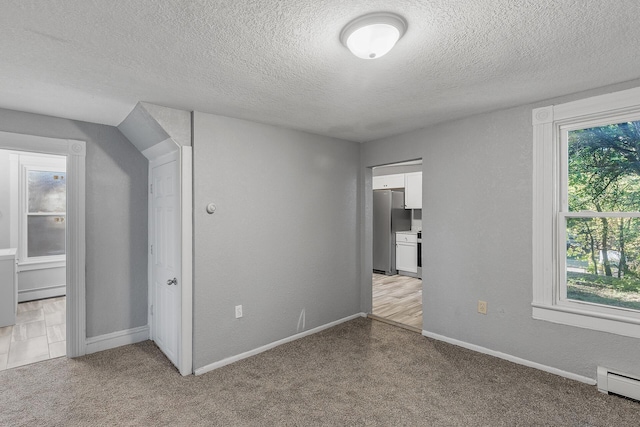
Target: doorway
[32, 228]
[74, 153]
[397, 244]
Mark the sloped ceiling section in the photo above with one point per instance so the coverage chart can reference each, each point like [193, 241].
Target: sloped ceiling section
[154, 129]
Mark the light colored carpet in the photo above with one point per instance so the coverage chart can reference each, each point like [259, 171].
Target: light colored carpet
[360, 373]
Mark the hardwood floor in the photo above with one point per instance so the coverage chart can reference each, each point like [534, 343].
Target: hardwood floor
[398, 298]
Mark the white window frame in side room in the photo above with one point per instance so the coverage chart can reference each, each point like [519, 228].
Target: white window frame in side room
[21, 165]
[550, 129]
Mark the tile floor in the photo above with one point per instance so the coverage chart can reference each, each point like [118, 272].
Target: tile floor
[398, 298]
[39, 333]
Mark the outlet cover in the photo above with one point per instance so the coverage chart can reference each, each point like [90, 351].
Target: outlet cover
[482, 307]
[238, 311]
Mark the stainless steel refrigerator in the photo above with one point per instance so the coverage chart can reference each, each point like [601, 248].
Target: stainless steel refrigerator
[389, 216]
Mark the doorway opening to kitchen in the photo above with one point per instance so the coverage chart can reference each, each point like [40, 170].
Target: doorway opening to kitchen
[397, 244]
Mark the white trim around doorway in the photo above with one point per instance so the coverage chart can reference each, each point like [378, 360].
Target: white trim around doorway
[75, 152]
[186, 207]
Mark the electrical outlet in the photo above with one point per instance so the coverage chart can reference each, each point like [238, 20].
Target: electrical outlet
[482, 307]
[238, 311]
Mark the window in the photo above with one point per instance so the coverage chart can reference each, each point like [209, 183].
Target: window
[586, 228]
[41, 208]
[600, 213]
[45, 213]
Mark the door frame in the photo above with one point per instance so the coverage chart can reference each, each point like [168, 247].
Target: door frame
[185, 165]
[75, 153]
[366, 244]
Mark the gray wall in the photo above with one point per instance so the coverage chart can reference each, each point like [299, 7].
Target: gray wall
[476, 217]
[116, 218]
[284, 236]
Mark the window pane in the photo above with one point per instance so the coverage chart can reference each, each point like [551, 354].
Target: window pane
[45, 235]
[603, 261]
[604, 168]
[47, 191]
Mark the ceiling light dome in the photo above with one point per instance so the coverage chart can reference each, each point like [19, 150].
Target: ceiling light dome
[372, 36]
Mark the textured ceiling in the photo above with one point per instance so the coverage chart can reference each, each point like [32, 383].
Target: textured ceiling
[281, 62]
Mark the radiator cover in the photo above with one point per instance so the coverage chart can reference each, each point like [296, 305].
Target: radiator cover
[610, 381]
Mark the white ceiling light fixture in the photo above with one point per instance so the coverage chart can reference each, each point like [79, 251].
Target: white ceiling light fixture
[373, 35]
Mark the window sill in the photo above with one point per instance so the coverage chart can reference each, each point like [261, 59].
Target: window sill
[619, 325]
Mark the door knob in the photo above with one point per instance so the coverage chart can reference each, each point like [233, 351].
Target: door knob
[173, 281]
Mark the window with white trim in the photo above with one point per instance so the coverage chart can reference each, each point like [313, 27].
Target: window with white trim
[586, 219]
[41, 208]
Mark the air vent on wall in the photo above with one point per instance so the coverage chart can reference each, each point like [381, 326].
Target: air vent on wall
[618, 383]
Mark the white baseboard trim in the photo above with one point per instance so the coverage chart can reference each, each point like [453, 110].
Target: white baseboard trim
[238, 357]
[41, 293]
[510, 358]
[117, 339]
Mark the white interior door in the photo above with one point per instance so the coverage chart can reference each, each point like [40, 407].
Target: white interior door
[165, 268]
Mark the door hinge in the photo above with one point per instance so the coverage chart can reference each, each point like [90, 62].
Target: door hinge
[151, 309]
[151, 249]
[151, 188]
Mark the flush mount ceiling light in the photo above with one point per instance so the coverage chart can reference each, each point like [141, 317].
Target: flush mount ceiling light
[372, 36]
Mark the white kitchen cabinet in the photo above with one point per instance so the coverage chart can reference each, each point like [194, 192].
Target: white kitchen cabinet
[385, 182]
[407, 252]
[413, 190]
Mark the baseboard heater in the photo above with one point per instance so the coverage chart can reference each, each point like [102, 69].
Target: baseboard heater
[618, 383]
